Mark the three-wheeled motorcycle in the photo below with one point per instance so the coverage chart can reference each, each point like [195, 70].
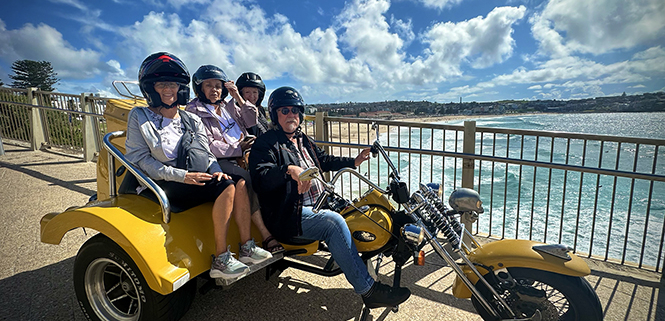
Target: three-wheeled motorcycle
[143, 262]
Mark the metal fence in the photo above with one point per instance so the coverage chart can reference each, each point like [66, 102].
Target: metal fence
[65, 121]
[602, 195]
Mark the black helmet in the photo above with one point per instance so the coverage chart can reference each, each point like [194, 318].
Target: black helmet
[163, 67]
[285, 96]
[209, 72]
[250, 79]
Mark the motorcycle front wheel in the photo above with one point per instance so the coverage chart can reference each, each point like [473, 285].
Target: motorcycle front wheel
[557, 296]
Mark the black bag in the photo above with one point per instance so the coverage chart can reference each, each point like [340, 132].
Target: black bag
[192, 154]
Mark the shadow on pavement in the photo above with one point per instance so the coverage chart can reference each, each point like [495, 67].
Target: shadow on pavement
[71, 185]
[48, 294]
[42, 294]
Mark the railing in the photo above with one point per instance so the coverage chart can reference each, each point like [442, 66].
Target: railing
[537, 185]
[71, 122]
[602, 195]
[116, 154]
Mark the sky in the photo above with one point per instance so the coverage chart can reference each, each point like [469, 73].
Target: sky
[356, 50]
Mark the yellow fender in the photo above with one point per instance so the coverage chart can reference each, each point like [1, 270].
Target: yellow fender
[168, 255]
[516, 253]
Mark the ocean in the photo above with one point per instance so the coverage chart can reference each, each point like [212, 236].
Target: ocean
[527, 203]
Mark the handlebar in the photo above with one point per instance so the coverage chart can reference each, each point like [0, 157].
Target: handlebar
[377, 148]
[329, 188]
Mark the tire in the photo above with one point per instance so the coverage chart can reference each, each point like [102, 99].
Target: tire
[109, 286]
[566, 297]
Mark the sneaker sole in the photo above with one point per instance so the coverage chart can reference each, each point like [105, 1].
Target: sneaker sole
[226, 276]
[249, 260]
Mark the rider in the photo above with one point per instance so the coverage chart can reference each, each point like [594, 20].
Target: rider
[253, 89]
[226, 125]
[153, 143]
[276, 160]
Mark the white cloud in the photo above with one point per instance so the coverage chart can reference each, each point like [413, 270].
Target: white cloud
[598, 27]
[74, 3]
[368, 35]
[403, 29]
[577, 76]
[43, 42]
[637, 86]
[535, 87]
[362, 50]
[481, 41]
[439, 4]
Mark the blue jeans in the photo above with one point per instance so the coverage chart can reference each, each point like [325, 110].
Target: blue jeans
[330, 227]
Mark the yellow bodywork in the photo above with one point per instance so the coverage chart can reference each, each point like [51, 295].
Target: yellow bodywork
[378, 214]
[164, 253]
[516, 253]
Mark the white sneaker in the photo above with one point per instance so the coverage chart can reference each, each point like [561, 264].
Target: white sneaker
[225, 266]
[250, 253]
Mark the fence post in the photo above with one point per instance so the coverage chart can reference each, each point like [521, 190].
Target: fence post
[321, 133]
[2, 147]
[468, 164]
[37, 127]
[89, 137]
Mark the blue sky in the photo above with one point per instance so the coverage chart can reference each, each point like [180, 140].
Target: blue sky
[355, 50]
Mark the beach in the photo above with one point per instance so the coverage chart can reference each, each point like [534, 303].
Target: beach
[355, 133]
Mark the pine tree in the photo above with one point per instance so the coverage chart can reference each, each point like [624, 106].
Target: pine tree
[30, 73]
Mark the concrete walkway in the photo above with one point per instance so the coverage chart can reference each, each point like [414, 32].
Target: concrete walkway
[36, 278]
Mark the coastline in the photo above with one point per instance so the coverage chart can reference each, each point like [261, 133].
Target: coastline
[348, 133]
[437, 119]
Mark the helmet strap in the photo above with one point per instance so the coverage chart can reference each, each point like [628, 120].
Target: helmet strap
[175, 103]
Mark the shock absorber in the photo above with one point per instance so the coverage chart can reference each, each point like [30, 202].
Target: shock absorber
[450, 227]
[443, 224]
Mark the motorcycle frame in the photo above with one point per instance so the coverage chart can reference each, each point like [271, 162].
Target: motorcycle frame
[462, 249]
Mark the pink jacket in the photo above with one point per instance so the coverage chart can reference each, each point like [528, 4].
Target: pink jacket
[244, 116]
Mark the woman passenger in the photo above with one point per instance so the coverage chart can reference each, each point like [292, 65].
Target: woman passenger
[226, 126]
[152, 144]
[253, 89]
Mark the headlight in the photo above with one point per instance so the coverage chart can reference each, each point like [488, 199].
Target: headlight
[413, 234]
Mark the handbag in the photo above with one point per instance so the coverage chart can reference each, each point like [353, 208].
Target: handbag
[192, 154]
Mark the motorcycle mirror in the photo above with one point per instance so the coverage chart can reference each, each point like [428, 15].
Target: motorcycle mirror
[375, 127]
[309, 174]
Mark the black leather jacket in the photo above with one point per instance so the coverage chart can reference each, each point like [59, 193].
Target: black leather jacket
[281, 205]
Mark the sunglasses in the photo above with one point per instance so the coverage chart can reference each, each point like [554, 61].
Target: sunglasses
[286, 110]
[170, 85]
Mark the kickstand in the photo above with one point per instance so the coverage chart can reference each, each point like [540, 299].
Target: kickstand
[364, 313]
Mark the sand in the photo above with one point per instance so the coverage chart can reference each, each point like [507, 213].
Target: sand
[348, 132]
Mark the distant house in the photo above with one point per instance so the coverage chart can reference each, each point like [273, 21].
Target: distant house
[375, 114]
[310, 110]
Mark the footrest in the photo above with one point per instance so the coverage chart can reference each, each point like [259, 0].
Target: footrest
[252, 268]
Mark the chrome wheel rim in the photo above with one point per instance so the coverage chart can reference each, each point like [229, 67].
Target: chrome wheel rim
[111, 292]
[552, 307]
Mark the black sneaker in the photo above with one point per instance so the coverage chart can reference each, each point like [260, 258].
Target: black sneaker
[381, 295]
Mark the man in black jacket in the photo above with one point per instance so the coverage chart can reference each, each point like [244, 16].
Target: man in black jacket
[276, 161]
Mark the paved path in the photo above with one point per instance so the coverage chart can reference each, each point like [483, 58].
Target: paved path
[36, 278]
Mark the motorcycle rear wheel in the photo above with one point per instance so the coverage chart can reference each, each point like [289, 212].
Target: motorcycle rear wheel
[109, 286]
[566, 298]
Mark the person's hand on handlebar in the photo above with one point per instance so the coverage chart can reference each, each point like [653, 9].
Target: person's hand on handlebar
[363, 156]
[295, 171]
